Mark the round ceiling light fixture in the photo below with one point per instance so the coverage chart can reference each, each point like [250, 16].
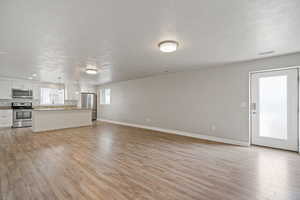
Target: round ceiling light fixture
[91, 69]
[168, 46]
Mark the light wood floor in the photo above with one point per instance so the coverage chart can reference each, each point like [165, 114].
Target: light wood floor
[116, 162]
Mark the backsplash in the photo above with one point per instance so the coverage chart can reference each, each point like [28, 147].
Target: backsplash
[5, 103]
[34, 102]
[71, 102]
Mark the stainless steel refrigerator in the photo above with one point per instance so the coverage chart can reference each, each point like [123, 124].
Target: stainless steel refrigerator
[89, 101]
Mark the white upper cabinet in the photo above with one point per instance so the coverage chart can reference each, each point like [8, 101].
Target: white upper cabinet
[88, 89]
[5, 89]
[72, 92]
[22, 84]
[36, 90]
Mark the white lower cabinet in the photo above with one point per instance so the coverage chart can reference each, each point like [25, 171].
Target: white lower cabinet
[5, 89]
[6, 118]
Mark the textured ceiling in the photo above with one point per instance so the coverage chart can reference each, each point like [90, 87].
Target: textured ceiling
[58, 38]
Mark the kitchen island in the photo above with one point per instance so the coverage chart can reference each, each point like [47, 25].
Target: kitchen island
[45, 119]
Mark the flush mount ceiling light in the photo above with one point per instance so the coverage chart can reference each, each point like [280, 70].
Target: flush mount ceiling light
[168, 46]
[91, 69]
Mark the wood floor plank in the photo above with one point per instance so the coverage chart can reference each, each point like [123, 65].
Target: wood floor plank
[108, 161]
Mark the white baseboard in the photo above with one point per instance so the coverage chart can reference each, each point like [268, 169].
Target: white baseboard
[183, 133]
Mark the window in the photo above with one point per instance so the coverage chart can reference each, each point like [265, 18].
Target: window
[105, 96]
[52, 96]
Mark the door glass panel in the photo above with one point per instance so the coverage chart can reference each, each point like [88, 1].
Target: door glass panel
[273, 107]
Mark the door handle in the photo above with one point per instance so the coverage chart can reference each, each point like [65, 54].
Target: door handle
[253, 108]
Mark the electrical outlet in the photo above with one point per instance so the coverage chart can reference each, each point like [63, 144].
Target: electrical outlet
[243, 104]
[213, 127]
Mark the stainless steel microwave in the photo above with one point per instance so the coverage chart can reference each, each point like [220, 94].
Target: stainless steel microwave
[23, 94]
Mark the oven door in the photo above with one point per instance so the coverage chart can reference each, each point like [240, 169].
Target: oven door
[23, 115]
[22, 118]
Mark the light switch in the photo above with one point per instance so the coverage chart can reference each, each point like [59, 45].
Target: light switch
[243, 104]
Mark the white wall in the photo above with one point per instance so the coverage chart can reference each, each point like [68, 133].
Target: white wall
[191, 101]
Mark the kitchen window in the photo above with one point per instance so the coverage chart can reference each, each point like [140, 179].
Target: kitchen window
[105, 96]
[52, 96]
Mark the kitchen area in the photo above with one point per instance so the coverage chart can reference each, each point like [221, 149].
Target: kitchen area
[46, 106]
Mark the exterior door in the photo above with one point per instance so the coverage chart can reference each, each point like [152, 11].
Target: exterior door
[274, 109]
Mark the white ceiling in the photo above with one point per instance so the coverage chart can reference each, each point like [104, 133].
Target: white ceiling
[60, 37]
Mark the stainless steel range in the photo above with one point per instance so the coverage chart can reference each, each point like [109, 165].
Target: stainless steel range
[22, 114]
